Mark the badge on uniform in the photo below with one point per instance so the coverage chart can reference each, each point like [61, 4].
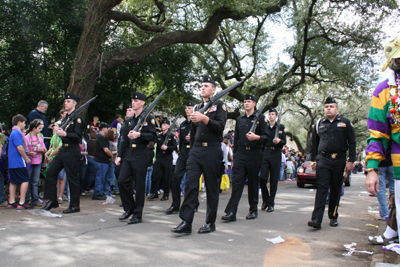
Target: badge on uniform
[341, 124]
[224, 107]
[213, 109]
[78, 120]
[280, 132]
[145, 123]
[153, 121]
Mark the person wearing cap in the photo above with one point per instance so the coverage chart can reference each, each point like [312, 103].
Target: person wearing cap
[133, 157]
[102, 158]
[271, 163]
[163, 164]
[68, 157]
[181, 163]
[248, 157]
[205, 158]
[383, 123]
[332, 136]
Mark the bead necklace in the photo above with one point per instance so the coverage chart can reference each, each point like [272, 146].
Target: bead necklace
[394, 107]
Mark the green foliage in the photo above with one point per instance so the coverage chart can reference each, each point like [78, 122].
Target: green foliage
[38, 44]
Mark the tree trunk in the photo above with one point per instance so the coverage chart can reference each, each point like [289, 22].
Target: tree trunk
[87, 62]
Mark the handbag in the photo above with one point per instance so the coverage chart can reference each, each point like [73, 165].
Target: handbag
[225, 184]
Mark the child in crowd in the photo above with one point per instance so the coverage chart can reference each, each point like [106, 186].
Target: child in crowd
[17, 163]
[35, 145]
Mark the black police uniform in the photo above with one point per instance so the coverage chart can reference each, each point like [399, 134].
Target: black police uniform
[67, 158]
[180, 168]
[271, 164]
[328, 149]
[205, 158]
[247, 161]
[163, 165]
[134, 162]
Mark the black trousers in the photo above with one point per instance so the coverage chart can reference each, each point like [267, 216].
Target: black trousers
[133, 169]
[329, 174]
[246, 163]
[161, 172]
[180, 170]
[206, 161]
[68, 158]
[270, 167]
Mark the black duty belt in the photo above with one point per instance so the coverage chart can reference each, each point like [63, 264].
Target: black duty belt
[204, 144]
[70, 145]
[137, 145]
[332, 155]
[249, 147]
[272, 148]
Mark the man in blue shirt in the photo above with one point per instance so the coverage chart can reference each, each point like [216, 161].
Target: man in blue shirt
[38, 113]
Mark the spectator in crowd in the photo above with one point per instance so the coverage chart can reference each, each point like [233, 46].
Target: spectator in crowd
[83, 165]
[35, 145]
[150, 146]
[95, 124]
[289, 169]
[38, 113]
[111, 168]
[283, 164]
[102, 158]
[3, 141]
[17, 164]
[91, 168]
[158, 121]
[115, 122]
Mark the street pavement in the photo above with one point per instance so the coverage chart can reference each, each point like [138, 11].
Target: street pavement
[95, 237]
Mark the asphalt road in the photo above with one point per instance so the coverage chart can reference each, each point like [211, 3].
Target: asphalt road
[95, 237]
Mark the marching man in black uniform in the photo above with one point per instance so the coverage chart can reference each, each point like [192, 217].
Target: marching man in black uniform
[180, 168]
[162, 166]
[332, 136]
[205, 158]
[247, 161]
[68, 157]
[271, 162]
[133, 150]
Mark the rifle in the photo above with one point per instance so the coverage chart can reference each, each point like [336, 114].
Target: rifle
[146, 111]
[170, 130]
[278, 123]
[75, 113]
[259, 112]
[218, 96]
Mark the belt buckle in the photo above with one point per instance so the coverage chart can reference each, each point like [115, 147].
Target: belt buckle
[187, 146]
[133, 145]
[334, 155]
[66, 145]
[204, 144]
[248, 148]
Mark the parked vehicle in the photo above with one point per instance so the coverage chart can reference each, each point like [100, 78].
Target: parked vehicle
[307, 176]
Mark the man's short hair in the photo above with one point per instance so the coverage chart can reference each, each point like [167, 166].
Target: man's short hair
[42, 103]
[17, 118]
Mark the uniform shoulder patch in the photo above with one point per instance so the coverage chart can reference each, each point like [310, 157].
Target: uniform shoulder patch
[224, 107]
[153, 121]
[78, 120]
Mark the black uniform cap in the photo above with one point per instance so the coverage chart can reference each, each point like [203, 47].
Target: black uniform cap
[129, 105]
[249, 97]
[208, 79]
[190, 103]
[72, 96]
[166, 122]
[330, 100]
[273, 110]
[140, 96]
[103, 125]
